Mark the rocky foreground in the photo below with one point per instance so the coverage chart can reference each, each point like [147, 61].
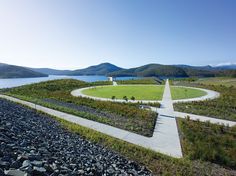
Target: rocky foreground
[34, 144]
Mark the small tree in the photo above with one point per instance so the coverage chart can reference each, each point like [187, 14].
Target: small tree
[113, 97]
[133, 98]
[185, 91]
[188, 118]
[125, 98]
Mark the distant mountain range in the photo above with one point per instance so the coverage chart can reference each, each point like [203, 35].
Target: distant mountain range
[13, 71]
[101, 69]
[107, 69]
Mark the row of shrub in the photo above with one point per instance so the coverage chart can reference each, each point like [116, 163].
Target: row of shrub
[141, 81]
[209, 142]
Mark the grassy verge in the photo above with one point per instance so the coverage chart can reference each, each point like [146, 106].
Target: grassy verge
[209, 142]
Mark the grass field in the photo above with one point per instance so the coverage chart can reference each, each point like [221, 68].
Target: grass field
[140, 92]
[184, 93]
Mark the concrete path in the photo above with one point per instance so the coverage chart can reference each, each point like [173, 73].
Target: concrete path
[165, 137]
[210, 94]
[162, 140]
[198, 117]
[166, 130]
[205, 118]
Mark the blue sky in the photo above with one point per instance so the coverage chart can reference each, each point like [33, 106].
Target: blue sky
[128, 33]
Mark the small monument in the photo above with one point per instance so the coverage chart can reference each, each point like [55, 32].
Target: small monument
[110, 79]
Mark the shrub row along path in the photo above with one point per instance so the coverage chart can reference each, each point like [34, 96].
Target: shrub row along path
[165, 137]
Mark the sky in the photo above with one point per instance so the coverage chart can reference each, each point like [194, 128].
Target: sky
[70, 34]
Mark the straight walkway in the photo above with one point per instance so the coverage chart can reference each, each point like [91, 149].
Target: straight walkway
[160, 142]
[166, 130]
[165, 137]
[205, 118]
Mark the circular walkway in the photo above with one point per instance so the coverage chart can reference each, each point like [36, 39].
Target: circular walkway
[210, 94]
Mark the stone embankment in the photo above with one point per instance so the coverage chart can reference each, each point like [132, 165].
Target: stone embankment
[34, 144]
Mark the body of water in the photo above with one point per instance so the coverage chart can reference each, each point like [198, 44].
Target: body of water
[14, 82]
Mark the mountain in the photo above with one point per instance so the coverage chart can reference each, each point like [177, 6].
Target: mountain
[226, 67]
[13, 71]
[50, 71]
[174, 71]
[101, 69]
[152, 70]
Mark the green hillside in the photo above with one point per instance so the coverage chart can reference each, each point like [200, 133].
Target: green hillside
[12, 71]
[152, 70]
[101, 69]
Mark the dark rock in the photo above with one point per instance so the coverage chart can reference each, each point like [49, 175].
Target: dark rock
[37, 163]
[1, 154]
[2, 172]
[4, 164]
[26, 163]
[22, 158]
[16, 165]
[38, 170]
[38, 145]
[14, 172]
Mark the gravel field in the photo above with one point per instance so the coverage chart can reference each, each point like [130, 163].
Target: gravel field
[34, 144]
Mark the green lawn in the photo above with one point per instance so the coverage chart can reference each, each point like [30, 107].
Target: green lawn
[140, 92]
[183, 93]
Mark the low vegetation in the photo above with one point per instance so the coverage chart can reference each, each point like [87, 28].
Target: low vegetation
[209, 142]
[159, 164]
[56, 94]
[141, 81]
[223, 107]
[183, 93]
[140, 92]
[218, 81]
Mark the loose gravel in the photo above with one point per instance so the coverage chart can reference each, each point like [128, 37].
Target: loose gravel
[35, 144]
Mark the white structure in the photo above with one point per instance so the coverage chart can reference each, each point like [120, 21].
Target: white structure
[110, 78]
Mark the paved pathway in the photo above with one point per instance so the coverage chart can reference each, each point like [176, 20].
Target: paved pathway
[165, 137]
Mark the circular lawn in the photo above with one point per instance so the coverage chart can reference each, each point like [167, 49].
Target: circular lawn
[139, 92]
[185, 93]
